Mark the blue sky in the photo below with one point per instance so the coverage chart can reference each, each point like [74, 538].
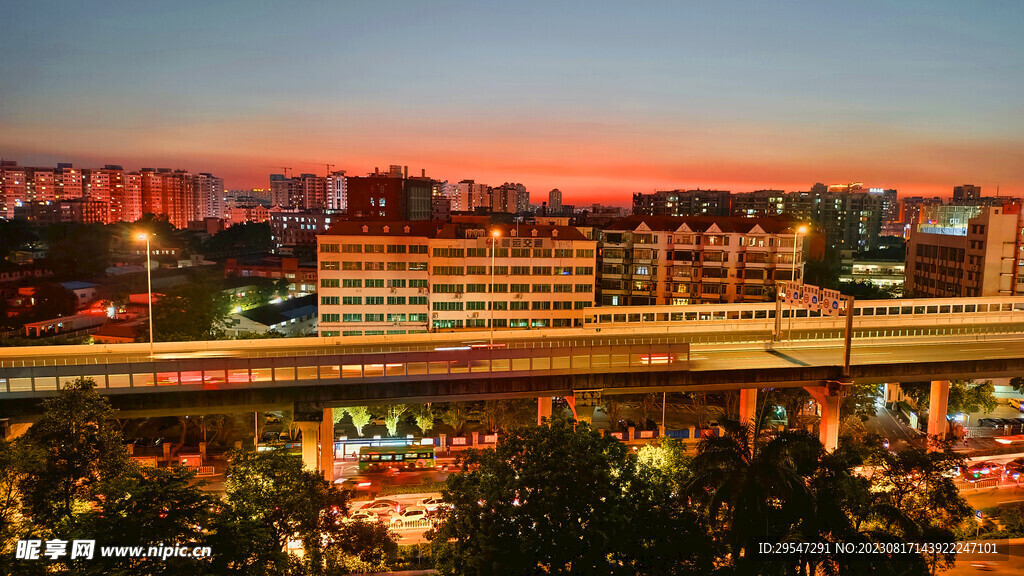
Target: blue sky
[599, 99]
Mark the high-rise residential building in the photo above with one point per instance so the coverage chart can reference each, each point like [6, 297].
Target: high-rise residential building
[980, 256]
[761, 203]
[849, 217]
[555, 202]
[472, 196]
[280, 190]
[656, 260]
[510, 198]
[209, 191]
[110, 194]
[683, 203]
[966, 193]
[339, 191]
[379, 277]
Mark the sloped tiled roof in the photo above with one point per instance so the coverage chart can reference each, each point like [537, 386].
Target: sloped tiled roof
[728, 224]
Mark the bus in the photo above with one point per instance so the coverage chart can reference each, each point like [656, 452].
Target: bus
[379, 458]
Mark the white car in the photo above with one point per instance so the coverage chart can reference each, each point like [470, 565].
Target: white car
[409, 515]
[431, 504]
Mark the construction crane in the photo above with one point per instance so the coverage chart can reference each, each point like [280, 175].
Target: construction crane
[329, 166]
[284, 169]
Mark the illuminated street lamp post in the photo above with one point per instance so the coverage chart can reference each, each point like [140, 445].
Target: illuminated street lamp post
[792, 276]
[149, 290]
[494, 247]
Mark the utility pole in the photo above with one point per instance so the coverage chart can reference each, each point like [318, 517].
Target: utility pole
[848, 336]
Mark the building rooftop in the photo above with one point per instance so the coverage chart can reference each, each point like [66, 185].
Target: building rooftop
[430, 229]
[283, 311]
[736, 224]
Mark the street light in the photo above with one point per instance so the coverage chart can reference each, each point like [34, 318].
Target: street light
[800, 231]
[494, 247]
[149, 289]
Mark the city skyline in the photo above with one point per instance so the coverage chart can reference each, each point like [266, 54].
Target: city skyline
[597, 104]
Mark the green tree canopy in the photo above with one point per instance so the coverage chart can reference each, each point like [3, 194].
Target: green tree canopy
[77, 445]
[269, 500]
[964, 395]
[195, 311]
[562, 499]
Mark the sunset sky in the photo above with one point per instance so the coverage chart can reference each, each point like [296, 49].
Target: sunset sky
[598, 99]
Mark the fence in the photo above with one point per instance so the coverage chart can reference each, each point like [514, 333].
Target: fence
[1001, 482]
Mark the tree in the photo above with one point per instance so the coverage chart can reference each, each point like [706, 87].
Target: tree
[964, 395]
[1018, 384]
[613, 409]
[148, 505]
[13, 471]
[195, 311]
[756, 487]
[13, 235]
[456, 415]
[860, 400]
[647, 404]
[78, 250]
[53, 300]
[423, 416]
[500, 415]
[248, 237]
[561, 499]
[79, 446]
[360, 417]
[269, 500]
[392, 416]
[923, 503]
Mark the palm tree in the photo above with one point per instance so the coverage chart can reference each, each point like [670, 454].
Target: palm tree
[754, 486]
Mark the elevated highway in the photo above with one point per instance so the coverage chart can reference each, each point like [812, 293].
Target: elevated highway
[630, 349]
[616, 351]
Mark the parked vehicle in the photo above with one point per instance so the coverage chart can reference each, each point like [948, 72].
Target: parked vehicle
[364, 515]
[381, 507]
[976, 471]
[1014, 468]
[409, 515]
[431, 504]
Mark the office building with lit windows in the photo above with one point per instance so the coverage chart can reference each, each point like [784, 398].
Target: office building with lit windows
[981, 255]
[397, 277]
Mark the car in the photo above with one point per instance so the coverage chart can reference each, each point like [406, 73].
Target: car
[354, 484]
[363, 515]
[1017, 403]
[431, 504]
[381, 507]
[987, 422]
[408, 516]
[1014, 468]
[982, 470]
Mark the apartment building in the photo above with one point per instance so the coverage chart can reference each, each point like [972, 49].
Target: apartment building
[395, 277]
[683, 203]
[657, 260]
[980, 256]
[110, 194]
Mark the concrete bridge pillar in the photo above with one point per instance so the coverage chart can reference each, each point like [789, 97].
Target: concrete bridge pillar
[543, 408]
[309, 443]
[327, 444]
[748, 405]
[584, 403]
[938, 404]
[828, 399]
